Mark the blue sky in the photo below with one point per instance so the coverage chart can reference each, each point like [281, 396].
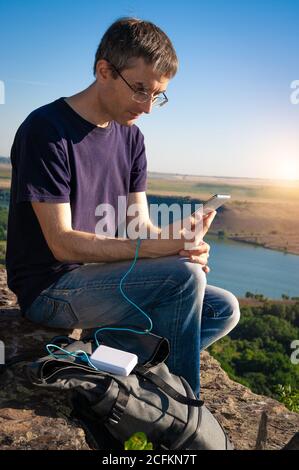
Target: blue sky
[229, 110]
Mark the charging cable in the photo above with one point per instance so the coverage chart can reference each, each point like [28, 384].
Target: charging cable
[82, 355]
[139, 332]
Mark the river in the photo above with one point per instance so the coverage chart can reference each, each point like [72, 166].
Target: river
[241, 267]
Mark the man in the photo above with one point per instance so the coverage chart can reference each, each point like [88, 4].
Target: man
[73, 155]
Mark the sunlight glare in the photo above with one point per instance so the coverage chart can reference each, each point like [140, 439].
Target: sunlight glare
[289, 170]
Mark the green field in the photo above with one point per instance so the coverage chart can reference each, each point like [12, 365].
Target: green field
[5, 175]
[5, 171]
[239, 192]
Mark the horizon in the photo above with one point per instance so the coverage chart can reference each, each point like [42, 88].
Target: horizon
[228, 177]
[289, 181]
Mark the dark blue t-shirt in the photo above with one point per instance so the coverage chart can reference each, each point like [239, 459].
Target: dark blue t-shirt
[57, 156]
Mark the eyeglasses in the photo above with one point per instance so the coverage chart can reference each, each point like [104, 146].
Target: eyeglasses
[143, 96]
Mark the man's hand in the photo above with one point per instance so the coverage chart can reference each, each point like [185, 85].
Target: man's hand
[206, 221]
[178, 228]
[198, 254]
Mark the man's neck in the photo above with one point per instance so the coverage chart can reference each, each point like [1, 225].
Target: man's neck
[87, 104]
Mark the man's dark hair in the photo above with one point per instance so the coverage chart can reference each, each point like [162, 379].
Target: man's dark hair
[131, 38]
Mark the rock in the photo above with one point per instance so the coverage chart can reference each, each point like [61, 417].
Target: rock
[31, 418]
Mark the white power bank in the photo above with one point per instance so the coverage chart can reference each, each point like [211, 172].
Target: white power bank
[113, 360]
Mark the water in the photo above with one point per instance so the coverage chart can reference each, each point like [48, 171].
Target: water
[240, 267]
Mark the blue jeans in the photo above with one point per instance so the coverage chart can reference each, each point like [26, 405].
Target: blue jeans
[171, 290]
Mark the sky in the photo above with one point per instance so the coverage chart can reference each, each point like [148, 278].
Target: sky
[231, 111]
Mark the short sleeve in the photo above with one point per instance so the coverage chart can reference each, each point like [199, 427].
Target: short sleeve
[41, 164]
[138, 177]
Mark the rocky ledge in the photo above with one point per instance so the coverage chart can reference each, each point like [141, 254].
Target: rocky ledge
[35, 419]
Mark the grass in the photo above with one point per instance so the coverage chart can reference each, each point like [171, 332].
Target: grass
[241, 193]
[5, 176]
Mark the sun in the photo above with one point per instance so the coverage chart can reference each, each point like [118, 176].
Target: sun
[289, 170]
[280, 155]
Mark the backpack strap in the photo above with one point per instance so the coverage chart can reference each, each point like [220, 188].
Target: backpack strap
[165, 387]
[119, 406]
[185, 439]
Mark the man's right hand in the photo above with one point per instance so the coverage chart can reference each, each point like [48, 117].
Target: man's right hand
[199, 251]
[191, 229]
[206, 221]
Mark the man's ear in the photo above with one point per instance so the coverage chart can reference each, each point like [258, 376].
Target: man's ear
[103, 70]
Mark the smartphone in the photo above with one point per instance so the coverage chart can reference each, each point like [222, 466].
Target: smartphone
[214, 202]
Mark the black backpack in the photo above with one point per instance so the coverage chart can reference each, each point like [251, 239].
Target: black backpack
[150, 400]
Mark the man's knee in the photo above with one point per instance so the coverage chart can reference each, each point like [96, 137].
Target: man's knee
[191, 274]
[180, 268]
[232, 309]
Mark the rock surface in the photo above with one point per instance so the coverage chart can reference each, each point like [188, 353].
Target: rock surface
[35, 419]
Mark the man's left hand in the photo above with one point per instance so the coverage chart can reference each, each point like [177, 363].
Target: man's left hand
[199, 255]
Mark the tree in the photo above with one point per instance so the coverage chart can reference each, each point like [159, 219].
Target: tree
[257, 352]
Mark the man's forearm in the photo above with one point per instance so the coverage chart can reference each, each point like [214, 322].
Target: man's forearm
[168, 232]
[84, 247]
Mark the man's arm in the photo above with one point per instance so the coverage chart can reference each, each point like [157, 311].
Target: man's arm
[139, 201]
[68, 245]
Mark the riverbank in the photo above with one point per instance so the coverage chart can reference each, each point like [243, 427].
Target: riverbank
[269, 224]
[262, 243]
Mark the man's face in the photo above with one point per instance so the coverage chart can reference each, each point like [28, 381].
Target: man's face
[118, 100]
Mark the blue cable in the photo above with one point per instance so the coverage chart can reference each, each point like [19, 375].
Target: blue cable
[77, 353]
[130, 301]
[85, 355]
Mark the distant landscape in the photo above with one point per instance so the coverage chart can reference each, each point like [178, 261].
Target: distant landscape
[262, 212]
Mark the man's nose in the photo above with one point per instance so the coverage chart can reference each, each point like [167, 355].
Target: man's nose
[147, 106]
